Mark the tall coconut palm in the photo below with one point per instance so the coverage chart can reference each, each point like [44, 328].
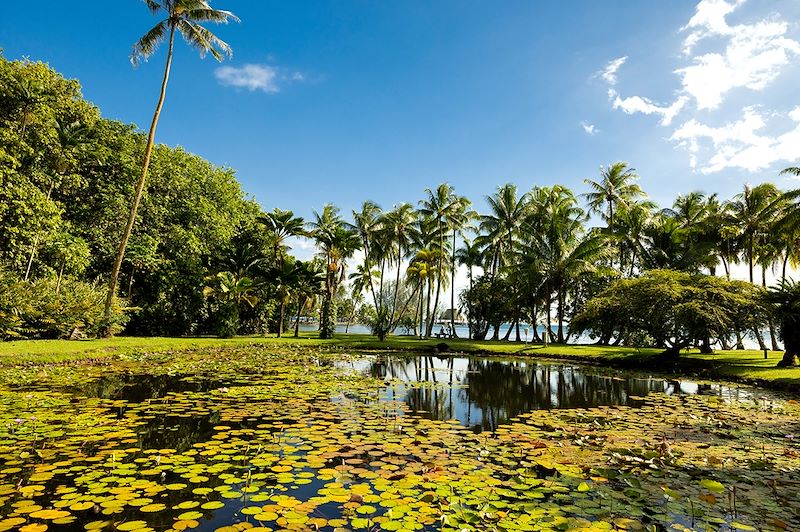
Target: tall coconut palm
[615, 190]
[458, 221]
[337, 243]
[500, 227]
[440, 205]
[471, 256]
[753, 213]
[309, 284]
[184, 17]
[397, 230]
[366, 223]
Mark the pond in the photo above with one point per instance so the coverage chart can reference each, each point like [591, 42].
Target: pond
[301, 439]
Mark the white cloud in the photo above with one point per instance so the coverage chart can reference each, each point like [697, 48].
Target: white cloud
[609, 73]
[250, 77]
[741, 144]
[709, 19]
[638, 104]
[591, 129]
[255, 77]
[754, 55]
[743, 56]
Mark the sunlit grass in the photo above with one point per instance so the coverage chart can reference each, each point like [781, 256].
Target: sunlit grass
[742, 365]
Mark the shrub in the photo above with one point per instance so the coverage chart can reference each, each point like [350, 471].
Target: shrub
[43, 309]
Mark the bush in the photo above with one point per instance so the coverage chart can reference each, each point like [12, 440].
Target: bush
[42, 309]
[674, 309]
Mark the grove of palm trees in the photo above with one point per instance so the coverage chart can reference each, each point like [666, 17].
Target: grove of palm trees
[276, 342]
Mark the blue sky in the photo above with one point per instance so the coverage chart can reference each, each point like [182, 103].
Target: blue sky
[342, 101]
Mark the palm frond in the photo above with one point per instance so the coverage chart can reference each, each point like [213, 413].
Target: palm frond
[148, 44]
[153, 6]
[207, 14]
[203, 40]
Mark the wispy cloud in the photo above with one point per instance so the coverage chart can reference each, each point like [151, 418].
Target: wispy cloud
[609, 73]
[257, 77]
[750, 56]
[591, 129]
[639, 104]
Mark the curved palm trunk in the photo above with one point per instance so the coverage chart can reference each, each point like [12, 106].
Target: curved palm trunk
[137, 198]
[561, 316]
[429, 323]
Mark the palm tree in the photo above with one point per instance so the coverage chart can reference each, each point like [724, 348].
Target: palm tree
[441, 205]
[182, 16]
[282, 225]
[555, 245]
[284, 279]
[500, 227]
[230, 290]
[309, 284]
[469, 255]
[752, 211]
[615, 190]
[419, 273]
[397, 227]
[337, 243]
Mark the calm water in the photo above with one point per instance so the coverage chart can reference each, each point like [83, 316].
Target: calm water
[483, 393]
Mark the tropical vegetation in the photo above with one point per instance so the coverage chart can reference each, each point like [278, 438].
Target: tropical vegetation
[194, 255]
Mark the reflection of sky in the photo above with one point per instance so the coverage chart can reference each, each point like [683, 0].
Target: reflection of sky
[483, 393]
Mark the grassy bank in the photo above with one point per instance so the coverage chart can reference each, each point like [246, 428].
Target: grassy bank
[744, 366]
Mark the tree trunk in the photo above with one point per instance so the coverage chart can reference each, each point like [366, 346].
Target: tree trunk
[396, 284]
[281, 311]
[453, 288]
[60, 276]
[561, 315]
[130, 282]
[429, 322]
[300, 304]
[137, 198]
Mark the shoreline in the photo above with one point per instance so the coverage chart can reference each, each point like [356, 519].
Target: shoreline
[745, 367]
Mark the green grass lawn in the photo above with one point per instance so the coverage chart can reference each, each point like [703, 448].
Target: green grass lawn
[748, 365]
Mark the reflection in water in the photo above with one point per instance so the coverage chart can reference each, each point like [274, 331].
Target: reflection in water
[484, 393]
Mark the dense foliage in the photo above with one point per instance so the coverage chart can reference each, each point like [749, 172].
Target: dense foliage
[204, 258]
[66, 175]
[674, 309]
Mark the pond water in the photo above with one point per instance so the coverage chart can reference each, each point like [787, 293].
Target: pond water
[299, 439]
[483, 393]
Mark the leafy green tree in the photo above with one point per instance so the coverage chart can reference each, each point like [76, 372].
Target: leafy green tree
[676, 309]
[183, 16]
